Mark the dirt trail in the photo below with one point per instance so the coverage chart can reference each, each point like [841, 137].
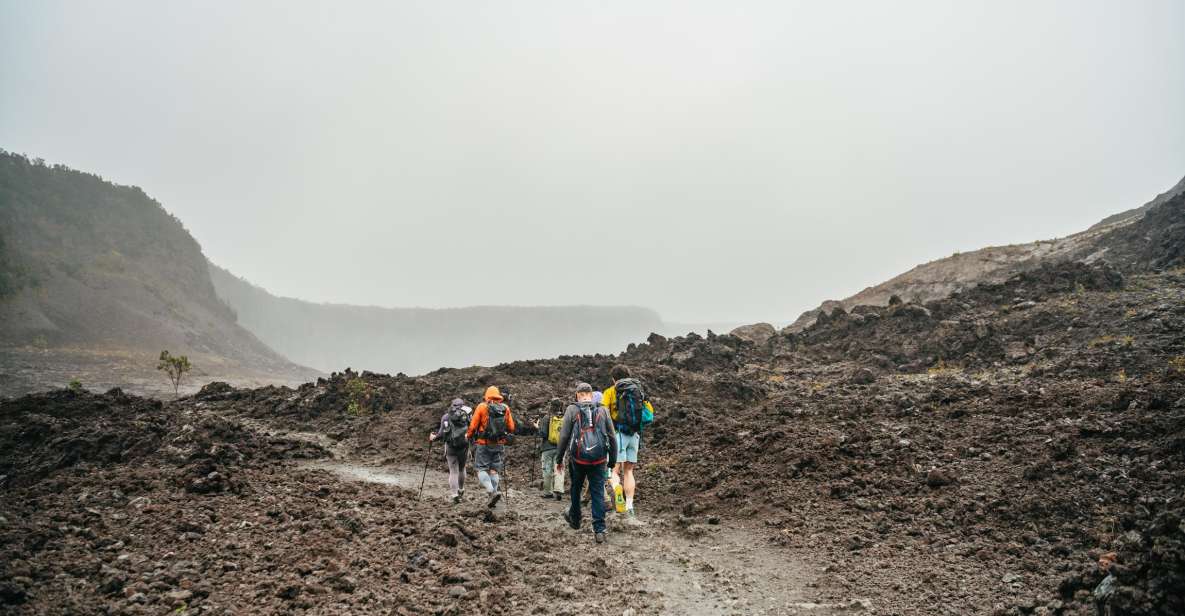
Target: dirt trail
[693, 570]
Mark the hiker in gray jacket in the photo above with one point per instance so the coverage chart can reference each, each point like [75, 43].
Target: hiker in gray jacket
[453, 425]
[588, 442]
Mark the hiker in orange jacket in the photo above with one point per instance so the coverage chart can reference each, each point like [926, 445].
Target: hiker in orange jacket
[490, 425]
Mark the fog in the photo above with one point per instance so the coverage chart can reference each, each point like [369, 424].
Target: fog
[713, 162]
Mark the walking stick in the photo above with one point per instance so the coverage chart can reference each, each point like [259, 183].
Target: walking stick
[506, 476]
[535, 451]
[427, 457]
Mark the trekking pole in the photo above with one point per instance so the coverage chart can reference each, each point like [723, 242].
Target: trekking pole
[473, 458]
[535, 452]
[506, 471]
[427, 457]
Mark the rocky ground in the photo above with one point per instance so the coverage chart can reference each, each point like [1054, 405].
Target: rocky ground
[975, 454]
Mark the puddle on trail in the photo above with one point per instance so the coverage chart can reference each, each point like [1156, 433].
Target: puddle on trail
[390, 476]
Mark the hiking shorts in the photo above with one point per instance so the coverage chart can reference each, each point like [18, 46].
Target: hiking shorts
[486, 457]
[628, 446]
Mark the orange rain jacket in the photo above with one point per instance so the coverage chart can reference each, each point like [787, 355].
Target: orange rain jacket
[481, 416]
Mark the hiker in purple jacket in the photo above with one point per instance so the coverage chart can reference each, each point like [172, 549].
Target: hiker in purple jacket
[453, 425]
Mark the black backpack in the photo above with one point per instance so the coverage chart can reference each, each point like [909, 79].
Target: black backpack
[455, 427]
[495, 431]
[631, 404]
[590, 446]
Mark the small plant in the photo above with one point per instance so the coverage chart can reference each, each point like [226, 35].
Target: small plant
[175, 366]
[359, 393]
[75, 385]
[1121, 376]
[1130, 313]
[1177, 364]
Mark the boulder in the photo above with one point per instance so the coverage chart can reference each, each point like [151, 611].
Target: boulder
[757, 333]
[861, 376]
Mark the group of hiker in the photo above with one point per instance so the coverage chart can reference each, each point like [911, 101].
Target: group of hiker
[593, 440]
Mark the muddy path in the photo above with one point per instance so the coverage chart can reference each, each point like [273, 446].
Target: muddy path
[689, 567]
[692, 569]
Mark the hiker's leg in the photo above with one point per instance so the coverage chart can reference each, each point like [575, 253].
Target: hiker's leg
[497, 462]
[558, 480]
[577, 487]
[596, 485]
[615, 475]
[629, 484]
[454, 467]
[547, 462]
[629, 457]
[462, 458]
[481, 461]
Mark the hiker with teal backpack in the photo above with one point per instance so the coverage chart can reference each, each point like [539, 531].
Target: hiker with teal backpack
[588, 442]
[491, 427]
[453, 427]
[548, 432]
[630, 408]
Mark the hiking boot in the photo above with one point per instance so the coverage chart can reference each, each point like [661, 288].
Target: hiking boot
[573, 524]
[494, 498]
[456, 498]
[600, 537]
[558, 495]
[546, 495]
[460, 494]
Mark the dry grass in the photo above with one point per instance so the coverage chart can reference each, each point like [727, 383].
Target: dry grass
[942, 368]
[1110, 340]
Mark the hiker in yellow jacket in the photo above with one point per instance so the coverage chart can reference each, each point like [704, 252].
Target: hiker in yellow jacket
[629, 426]
[548, 428]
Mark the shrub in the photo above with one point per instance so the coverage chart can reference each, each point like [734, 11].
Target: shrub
[175, 366]
[359, 393]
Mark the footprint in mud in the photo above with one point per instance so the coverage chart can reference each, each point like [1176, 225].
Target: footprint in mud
[693, 571]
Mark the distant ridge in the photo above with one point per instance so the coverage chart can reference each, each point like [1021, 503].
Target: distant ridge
[994, 264]
[417, 340]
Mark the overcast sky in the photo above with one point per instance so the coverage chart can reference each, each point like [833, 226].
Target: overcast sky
[716, 161]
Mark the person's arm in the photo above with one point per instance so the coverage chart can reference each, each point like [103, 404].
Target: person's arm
[509, 421]
[475, 421]
[439, 429]
[609, 401]
[612, 440]
[565, 434]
